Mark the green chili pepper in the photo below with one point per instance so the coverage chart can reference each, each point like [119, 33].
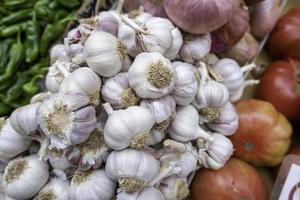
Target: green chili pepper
[61, 14]
[16, 90]
[4, 49]
[5, 109]
[42, 10]
[52, 32]
[16, 57]
[32, 39]
[16, 17]
[12, 30]
[8, 84]
[32, 87]
[69, 4]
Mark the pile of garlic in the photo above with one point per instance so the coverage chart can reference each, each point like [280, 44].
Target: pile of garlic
[134, 107]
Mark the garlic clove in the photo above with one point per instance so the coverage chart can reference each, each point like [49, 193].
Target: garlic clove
[19, 171]
[132, 169]
[151, 75]
[58, 53]
[174, 188]
[40, 97]
[186, 84]
[92, 185]
[11, 143]
[85, 81]
[105, 59]
[58, 159]
[128, 128]
[156, 137]
[24, 119]
[145, 194]
[67, 119]
[108, 22]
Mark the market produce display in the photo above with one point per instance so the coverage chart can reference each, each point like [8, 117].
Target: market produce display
[28, 28]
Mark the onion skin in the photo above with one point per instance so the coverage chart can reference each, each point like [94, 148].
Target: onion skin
[288, 27]
[200, 16]
[235, 181]
[263, 136]
[264, 17]
[234, 30]
[280, 85]
[244, 51]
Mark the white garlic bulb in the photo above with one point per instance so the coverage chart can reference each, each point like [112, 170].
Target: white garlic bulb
[211, 96]
[174, 188]
[133, 169]
[11, 143]
[67, 119]
[145, 194]
[91, 153]
[185, 125]
[58, 159]
[228, 122]
[58, 53]
[104, 53]
[128, 128]
[117, 92]
[157, 136]
[234, 78]
[17, 174]
[108, 22]
[85, 81]
[24, 121]
[92, 185]
[139, 16]
[151, 75]
[56, 189]
[3, 164]
[155, 34]
[55, 74]
[186, 84]
[40, 97]
[195, 47]
[215, 153]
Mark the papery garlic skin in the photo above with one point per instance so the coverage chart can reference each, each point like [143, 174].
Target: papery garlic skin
[186, 84]
[90, 154]
[133, 169]
[11, 143]
[56, 189]
[23, 178]
[228, 122]
[67, 119]
[156, 137]
[92, 185]
[145, 194]
[128, 128]
[185, 125]
[55, 74]
[215, 153]
[108, 22]
[58, 53]
[24, 119]
[58, 159]
[104, 53]
[195, 47]
[40, 97]
[174, 188]
[151, 75]
[117, 92]
[85, 81]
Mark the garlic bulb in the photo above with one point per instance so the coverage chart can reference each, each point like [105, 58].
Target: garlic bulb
[91, 153]
[215, 153]
[105, 59]
[11, 143]
[185, 125]
[133, 169]
[58, 53]
[17, 174]
[3, 164]
[151, 75]
[117, 92]
[23, 120]
[211, 96]
[139, 16]
[58, 159]
[174, 188]
[67, 119]
[155, 35]
[195, 47]
[186, 84]
[156, 137]
[85, 81]
[40, 97]
[56, 189]
[128, 128]
[108, 22]
[55, 75]
[92, 185]
[228, 121]
[145, 194]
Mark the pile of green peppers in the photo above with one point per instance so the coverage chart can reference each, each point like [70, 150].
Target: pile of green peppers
[27, 29]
